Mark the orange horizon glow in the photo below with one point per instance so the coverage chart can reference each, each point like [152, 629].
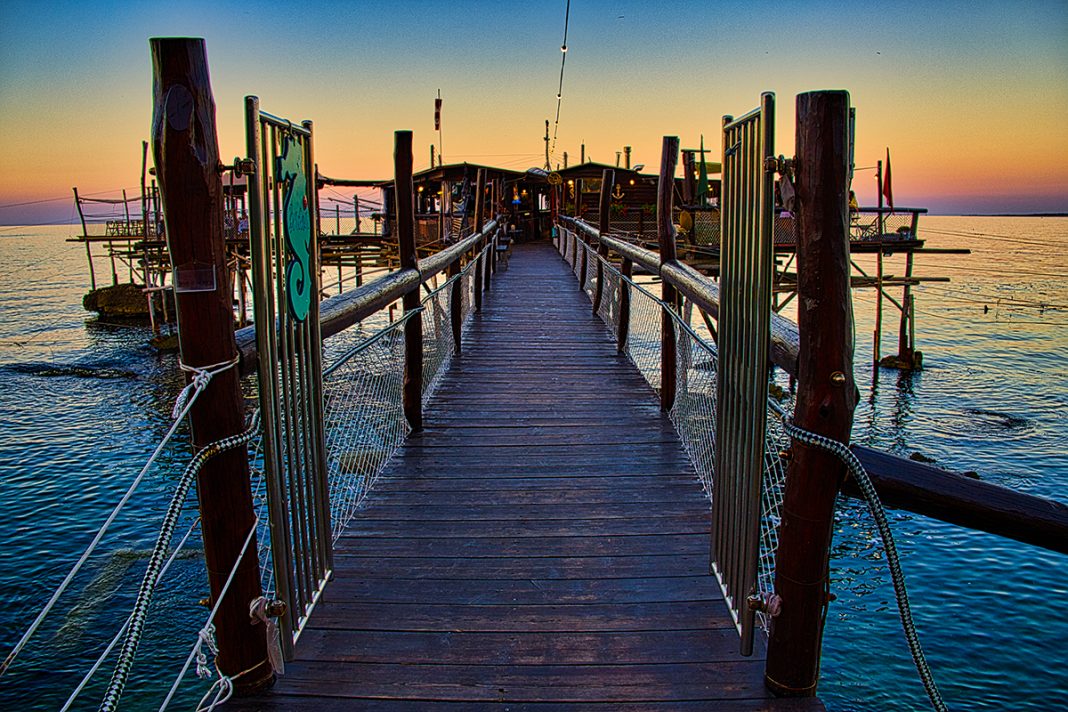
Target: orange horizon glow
[971, 107]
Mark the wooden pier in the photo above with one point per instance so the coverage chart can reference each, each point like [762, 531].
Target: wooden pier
[545, 539]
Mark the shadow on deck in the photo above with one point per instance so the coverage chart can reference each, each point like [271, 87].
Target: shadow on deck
[543, 544]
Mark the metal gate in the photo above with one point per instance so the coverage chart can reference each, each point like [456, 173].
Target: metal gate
[746, 262]
[285, 282]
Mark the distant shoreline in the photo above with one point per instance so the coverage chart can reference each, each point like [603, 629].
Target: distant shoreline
[1004, 215]
[939, 215]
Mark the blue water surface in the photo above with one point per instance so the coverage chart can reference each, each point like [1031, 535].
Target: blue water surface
[83, 404]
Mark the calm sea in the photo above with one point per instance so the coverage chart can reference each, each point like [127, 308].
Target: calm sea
[83, 403]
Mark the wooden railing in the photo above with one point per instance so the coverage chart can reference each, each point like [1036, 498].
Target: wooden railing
[901, 483]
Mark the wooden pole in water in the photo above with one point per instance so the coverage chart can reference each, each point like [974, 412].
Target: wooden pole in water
[905, 353]
[144, 217]
[665, 230]
[826, 393]
[608, 177]
[413, 328]
[85, 236]
[186, 153]
[129, 233]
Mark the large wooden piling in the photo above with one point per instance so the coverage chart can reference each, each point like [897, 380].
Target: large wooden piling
[186, 153]
[409, 259]
[665, 230]
[826, 392]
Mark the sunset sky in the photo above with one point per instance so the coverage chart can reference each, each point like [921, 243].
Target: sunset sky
[970, 97]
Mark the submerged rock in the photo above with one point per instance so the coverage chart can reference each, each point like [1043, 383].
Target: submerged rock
[127, 301]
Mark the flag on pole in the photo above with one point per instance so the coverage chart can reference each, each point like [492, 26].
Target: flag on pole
[702, 181]
[437, 113]
[888, 193]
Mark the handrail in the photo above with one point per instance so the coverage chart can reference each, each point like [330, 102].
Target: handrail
[697, 288]
[901, 483]
[343, 310]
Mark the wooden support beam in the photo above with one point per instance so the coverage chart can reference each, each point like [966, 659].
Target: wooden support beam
[826, 392]
[608, 177]
[85, 235]
[185, 150]
[665, 230]
[480, 264]
[626, 269]
[409, 259]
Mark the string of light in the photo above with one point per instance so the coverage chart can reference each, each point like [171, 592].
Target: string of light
[560, 88]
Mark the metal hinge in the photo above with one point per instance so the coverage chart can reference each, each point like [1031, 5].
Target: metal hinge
[240, 167]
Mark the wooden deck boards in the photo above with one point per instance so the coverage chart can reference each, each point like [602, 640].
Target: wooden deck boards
[542, 545]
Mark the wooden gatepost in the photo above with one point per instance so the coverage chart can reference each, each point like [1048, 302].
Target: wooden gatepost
[186, 153]
[826, 394]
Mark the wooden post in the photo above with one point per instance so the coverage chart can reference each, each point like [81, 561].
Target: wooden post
[186, 153]
[665, 230]
[878, 306]
[904, 343]
[608, 177]
[689, 188]
[480, 265]
[85, 235]
[826, 392]
[879, 191]
[627, 268]
[456, 314]
[144, 213]
[413, 328]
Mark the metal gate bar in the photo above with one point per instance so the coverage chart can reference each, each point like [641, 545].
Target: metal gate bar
[742, 380]
[285, 279]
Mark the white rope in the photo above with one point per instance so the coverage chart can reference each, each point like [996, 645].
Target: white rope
[118, 636]
[207, 630]
[151, 577]
[202, 375]
[187, 398]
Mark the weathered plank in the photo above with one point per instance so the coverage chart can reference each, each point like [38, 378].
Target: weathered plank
[542, 544]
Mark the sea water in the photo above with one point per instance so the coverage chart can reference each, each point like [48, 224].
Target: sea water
[83, 403]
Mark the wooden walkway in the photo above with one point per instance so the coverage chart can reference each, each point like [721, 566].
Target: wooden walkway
[542, 545]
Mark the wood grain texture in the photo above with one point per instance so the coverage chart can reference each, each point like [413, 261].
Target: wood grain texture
[542, 544]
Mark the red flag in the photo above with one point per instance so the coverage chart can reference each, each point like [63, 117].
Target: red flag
[437, 114]
[888, 193]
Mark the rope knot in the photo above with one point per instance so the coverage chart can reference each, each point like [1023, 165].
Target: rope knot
[202, 376]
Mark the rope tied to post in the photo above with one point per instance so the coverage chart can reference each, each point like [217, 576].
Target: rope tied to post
[202, 376]
[897, 577]
[258, 611]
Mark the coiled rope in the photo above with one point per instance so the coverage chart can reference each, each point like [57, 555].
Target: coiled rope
[155, 562]
[871, 497]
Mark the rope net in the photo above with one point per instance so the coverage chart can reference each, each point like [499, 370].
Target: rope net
[694, 411]
[363, 378]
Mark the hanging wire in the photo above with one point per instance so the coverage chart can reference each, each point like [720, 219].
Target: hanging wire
[560, 89]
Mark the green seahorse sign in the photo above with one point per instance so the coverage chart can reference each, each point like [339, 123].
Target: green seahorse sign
[296, 227]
